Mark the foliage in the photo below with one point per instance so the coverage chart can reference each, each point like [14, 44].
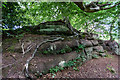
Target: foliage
[95, 56]
[109, 56]
[71, 63]
[17, 14]
[111, 69]
[75, 68]
[55, 69]
[80, 47]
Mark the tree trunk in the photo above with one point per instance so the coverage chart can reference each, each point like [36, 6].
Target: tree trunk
[110, 33]
[74, 31]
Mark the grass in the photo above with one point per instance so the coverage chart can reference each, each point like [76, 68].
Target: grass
[111, 69]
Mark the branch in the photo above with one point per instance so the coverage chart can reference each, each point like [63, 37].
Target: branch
[25, 69]
[110, 7]
[87, 8]
[103, 5]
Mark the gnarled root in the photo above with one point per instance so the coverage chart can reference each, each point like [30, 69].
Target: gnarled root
[26, 66]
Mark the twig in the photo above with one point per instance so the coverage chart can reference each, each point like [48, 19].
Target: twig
[25, 68]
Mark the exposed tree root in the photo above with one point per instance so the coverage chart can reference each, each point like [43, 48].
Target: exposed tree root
[26, 66]
[28, 48]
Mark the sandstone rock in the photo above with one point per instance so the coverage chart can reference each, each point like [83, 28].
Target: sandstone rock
[117, 51]
[86, 43]
[94, 52]
[112, 46]
[94, 42]
[89, 49]
[89, 56]
[105, 47]
[88, 52]
[58, 45]
[70, 56]
[43, 65]
[98, 49]
[53, 63]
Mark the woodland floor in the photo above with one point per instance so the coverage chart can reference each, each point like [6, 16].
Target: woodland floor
[13, 63]
[95, 68]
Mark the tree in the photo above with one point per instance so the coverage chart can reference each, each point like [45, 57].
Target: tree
[94, 6]
[78, 13]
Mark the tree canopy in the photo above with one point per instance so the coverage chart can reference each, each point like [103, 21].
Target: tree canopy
[96, 17]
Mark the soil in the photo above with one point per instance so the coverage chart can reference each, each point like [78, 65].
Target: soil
[95, 68]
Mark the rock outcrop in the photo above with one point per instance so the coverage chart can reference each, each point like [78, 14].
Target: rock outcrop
[51, 54]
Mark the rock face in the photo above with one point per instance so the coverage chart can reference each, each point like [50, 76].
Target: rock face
[64, 51]
[91, 47]
[86, 43]
[111, 46]
[52, 54]
[88, 52]
[98, 48]
[58, 45]
[94, 42]
[39, 64]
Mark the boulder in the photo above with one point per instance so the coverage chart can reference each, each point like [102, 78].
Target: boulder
[89, 49]
[94, 52]
[94, 42]
[70, 56]
[44, 62]
[98, 48]
[58, 45]
[88, 52]
[86, 43]
[117, 51]
[111, 46]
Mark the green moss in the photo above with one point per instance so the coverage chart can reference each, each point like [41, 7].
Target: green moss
[11, 48]
[64, 50]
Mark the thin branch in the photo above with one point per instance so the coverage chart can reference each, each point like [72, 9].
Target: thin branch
[103, 5]
[110, 7]
[88, 9]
